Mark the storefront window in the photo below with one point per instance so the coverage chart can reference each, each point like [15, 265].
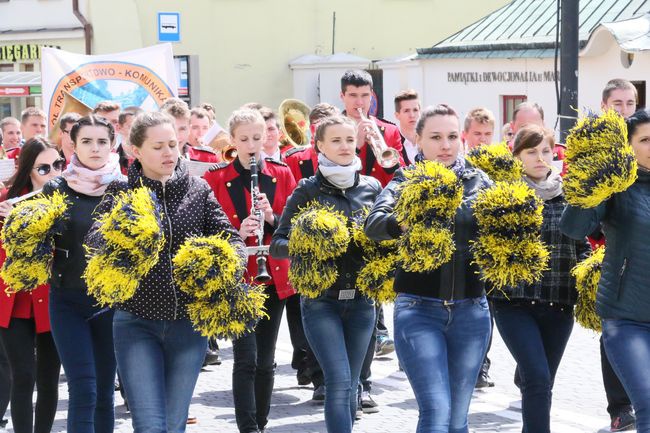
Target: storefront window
[509, 103]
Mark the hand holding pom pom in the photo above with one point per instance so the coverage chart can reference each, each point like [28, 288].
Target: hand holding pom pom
[587, 274]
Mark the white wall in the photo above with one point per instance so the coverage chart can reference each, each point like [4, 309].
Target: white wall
[400, 76]
[35, 14]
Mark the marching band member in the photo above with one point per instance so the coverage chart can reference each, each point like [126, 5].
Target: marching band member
[338, 327]
[442, 320]
[407, 112]
[254, 366]
[196, 150]
[158, 350]
[24, 317]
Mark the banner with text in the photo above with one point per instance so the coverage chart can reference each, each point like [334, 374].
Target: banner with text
[142, 78]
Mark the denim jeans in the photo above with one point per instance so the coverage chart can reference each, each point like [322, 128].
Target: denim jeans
[159, 363]
[627, 344]
[254, 368]
[441, 348]
[338, 333]
[536, 336]
[83, 334]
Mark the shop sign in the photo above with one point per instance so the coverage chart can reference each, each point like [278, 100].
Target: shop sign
[15, 53]
[501, 77]
[14, 91]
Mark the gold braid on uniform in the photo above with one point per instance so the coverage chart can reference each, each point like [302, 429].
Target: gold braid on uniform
[132, 239]
[375, 279]
[600, 161]
[229, 314]
[587, 274]
[497, 161]
[427, 203]
[508, 248]
[319, 234]
[28, 239]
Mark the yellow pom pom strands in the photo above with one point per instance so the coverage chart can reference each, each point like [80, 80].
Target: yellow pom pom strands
[587, 274]
[231, 314]
[508, 248]
[319, 234]
[427, 203]
[28, 239]
[319, 231]
[497, 161]
[599, 159]
[133, 239]
[207, 265]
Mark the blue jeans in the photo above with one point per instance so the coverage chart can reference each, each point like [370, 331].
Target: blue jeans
[627, 344]
[83, 335]
[159, 363]
[339, 333]
[441, 348]
[536, 336]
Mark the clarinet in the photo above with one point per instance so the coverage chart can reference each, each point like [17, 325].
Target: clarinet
[262, 273]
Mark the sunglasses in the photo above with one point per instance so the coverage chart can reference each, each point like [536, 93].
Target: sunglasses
[44, 169]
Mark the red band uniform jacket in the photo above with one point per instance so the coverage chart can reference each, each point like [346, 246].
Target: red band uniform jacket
[231, 185]
[369, 164]
[303, 162]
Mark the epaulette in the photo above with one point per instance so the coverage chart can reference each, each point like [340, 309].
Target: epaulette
[295, 150]
[218, 166]
[273, 161]
[386, 121]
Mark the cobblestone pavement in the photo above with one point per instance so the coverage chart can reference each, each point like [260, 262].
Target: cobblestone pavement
[578, 402]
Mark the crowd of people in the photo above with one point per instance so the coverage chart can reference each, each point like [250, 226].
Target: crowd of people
[253, 189]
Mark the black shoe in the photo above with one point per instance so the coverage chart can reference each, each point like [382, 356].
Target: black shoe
[319, 394]
[624, 421]
[3, 423]
[303, 378]
[484, 380]
[212, 358]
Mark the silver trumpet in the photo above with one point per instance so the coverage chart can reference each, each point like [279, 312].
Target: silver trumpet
[387, 157]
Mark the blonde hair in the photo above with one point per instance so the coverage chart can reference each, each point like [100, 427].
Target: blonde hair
[479, 115]
[244, 116]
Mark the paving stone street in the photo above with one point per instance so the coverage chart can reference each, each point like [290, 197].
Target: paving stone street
[578, 402]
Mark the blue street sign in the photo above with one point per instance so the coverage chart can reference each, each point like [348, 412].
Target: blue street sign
[169, 27]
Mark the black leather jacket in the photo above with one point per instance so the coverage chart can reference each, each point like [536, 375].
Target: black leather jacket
[456, 279]
[349, 201]
[69, 254]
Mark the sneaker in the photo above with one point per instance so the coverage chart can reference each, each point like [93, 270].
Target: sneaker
[212, 357]
[368, 405]
[624, 421]
[384, 345]
[484, 380]
[319, 394]
[303, 378]
[3, 423]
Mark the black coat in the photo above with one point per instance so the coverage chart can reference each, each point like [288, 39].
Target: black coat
[349, 201]
[456, 279]
[189, 209]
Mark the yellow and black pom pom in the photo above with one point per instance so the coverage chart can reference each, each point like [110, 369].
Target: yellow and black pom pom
[430, 192]
[425, 248]
[312, 277]
[600, 160]
[587, 274]
[497, 161]
[203, 266]
[28, 239]
[318, 231]
[229, 314]
[133, 239]
[508, 248]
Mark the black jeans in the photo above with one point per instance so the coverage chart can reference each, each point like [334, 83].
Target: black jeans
[617, 399]
[536, 336]
[5, 381]
[254, 368]
[26, 369]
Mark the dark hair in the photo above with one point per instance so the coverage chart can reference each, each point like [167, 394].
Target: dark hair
[268, 114]
[143, 122]
[639, 118]
[68, 118]
[92, 120]
[322, 110]
[617, 84]
[128, 112]
[438, 110]
[106, 107]
[404, 95]
[533, 105]
[356, 78]
[28, 154]
[530, 136]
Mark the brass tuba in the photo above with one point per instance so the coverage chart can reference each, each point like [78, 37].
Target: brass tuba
[294, 123]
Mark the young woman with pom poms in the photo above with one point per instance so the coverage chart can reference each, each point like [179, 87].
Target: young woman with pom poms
[159, 352]
[82, 330]
[254, 352]
[535, 320]
[442, 320]
[337, 318]
[623, 298]
[24, 316]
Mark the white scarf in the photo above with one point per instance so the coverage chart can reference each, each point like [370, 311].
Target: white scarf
[341, 176]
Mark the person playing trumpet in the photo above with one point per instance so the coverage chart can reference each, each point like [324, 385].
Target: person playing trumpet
[254, 354]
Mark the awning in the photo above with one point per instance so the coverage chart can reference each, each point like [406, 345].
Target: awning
[20, 84]
[633, 34]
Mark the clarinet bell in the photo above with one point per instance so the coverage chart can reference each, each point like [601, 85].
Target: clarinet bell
[262, 274]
